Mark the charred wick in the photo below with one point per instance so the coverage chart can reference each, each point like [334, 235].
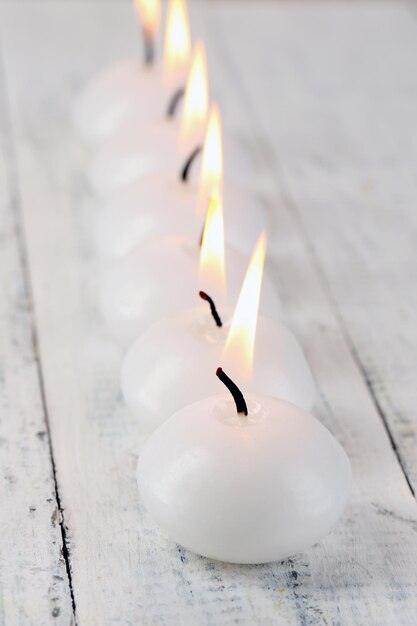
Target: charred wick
[148, 49]
[213, 309]
[174, 101]
[185, 172]
[241, 406]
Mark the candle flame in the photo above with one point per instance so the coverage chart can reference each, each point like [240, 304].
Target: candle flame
[240, 344]
[212, 159]
[212, 256]
[195, 107]
[177, 44]
[149, 12]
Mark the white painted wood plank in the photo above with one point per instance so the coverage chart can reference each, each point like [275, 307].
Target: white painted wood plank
[123, 569]
[336, 102]
[33, 578]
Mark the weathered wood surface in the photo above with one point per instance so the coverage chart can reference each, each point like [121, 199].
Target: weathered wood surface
[33, 576]
[306, 118]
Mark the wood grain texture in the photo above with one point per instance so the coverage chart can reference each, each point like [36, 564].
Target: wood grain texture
[123, 569]
[33, 578]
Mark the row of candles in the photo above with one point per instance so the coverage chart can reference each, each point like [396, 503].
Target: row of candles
[247, 476]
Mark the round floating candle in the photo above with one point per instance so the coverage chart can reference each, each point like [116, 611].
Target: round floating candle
[250, 481]
[135, 152]
[161, 277]
[162, 204]
[145, 210]
[159, 373]
[133, 93]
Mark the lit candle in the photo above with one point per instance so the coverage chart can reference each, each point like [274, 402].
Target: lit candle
[161, 277]
[135, 152]
[134, 93]
[170, 365]
[162, 204]
[252, 480]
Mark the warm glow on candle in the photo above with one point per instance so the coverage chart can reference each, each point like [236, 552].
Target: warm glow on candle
[212, 160]
[195, 107]
[238, 353]
[212, 261]
[149, 12]
[177, 45]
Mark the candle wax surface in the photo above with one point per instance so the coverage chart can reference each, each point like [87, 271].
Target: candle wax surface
[161, 277]
[134, 152]
[137, 150]
[124, 89]
[249, 489]
[173, 362]
[162, 204]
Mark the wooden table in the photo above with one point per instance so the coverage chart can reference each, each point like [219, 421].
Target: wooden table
[322, 98]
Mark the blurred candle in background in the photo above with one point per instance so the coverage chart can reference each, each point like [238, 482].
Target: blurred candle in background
[161, 204]
[137, 150]
[138, 93]
[161, 277]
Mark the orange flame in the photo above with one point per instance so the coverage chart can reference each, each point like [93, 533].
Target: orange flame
[177, 45]
[149, 12]
[212, 256]
[212, 161]
[195, 106]
[240, 344]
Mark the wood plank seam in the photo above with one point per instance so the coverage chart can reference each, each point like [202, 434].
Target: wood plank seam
[375, 399]
[271, 164]
[343, 328]
[12, 175]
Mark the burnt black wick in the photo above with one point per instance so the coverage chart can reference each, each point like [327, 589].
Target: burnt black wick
[213, 309]
[188, 163]
[148, 49]
[241, 406]
[174, 101]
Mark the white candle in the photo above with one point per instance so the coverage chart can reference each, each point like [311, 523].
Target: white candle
[161, 277]
[171, 364]
[159, 206]
[163, 204]
[132, 93]
[244, 489]
[135, 152]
